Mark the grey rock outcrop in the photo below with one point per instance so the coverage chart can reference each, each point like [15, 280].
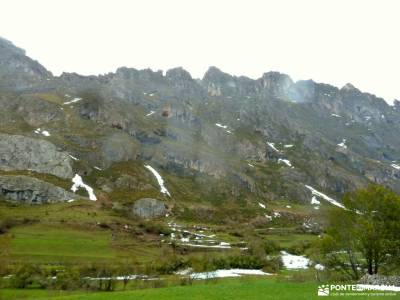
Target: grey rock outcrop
[149, 208]
[29, 190]
[23, 153]
[17, 71]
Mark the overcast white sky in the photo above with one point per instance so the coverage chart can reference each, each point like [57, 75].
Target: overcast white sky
[331, 41]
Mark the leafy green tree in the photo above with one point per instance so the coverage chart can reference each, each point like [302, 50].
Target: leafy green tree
[366, 234]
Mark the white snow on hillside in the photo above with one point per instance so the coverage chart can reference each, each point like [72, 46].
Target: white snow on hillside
[288, 146]
[397, 167]
[261, 205]
[44, 132]
[315, 202]
[150, 113]
[78, 183]
[272, 145]
[72, 101]
[277, 214]
[285, 161]
[228, 273]
[336, 116]
[250, 165]
[291, 261]
[73, 157]
[97, 168]
[220, 125]
[323, 196]
[343, 144]
[160, 180]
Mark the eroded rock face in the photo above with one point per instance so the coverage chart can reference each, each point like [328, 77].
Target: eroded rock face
[149, 208]
[23, 153]
[29, 190]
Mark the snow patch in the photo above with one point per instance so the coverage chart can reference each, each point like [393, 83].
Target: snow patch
[220, 125]
[97, 168]
[261, 205]
[78, 183]
[343, 144]
[272, 145]
[40, 131]
[288, 146]
[150, 113]
[336, 116]
[73, 157]
[228, 273]
[72, 101]
[285, 161]
[314, 201]
[323, 196]
[291, 261]
[277, 214]
[397, 167]
[160, 180]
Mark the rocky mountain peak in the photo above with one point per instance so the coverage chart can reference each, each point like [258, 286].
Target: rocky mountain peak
[215, 75]
[178, 74]
[17, 71]
[6, 45]
[272, 79]
[349, 87]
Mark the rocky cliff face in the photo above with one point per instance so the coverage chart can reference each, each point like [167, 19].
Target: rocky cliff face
[221, 138]
[17, 71]
[28, 190]
[23, 153]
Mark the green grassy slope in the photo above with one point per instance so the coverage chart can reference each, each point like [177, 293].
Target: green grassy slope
[229, 289]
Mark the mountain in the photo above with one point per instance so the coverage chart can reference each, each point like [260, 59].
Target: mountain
[220, 144]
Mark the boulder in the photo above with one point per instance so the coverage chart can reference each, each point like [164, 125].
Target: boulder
[149, 208]
[29, 190]
[19, 152]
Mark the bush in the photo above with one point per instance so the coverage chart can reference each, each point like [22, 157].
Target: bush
[273, 265]
[6, 224]
[68, 279]
[28, 276]
[155, 228]
[300, 248]
[271, 247]
[170, 264]
[238, 261]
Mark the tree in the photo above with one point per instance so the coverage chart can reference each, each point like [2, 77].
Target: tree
[366, 234]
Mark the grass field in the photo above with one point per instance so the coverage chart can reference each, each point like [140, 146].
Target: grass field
[229, 289]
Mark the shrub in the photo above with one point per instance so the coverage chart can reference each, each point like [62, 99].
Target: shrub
[6, 224]
[271, 247]
[155, 228]
[238, 261]
[28, 275]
